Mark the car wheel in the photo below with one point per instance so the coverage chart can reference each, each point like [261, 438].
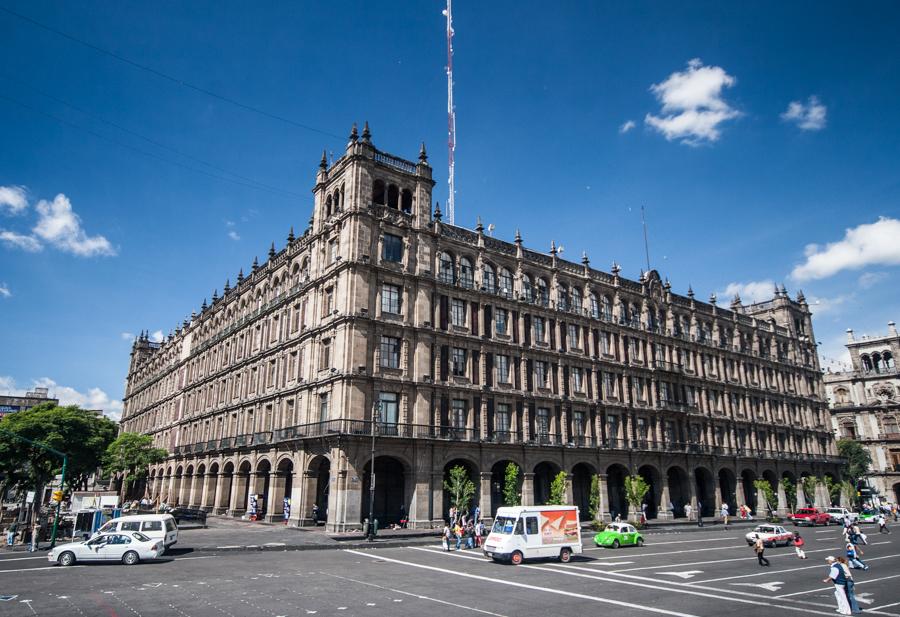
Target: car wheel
[640, 542]
[516, 558]
[130, 558]
[66, 559]
[615, 544]
[565, 555]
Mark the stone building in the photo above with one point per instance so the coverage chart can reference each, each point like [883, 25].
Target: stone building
[12, 404]
[470, 351]
[865, 405]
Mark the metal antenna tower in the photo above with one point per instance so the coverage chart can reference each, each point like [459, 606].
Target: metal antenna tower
[451, 114]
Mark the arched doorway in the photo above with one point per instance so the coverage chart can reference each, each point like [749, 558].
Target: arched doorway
[582, 476]
[651, 477]
[212, 481]
[706, 496]
[789, 488]
[198, 493]
[897, 493]
[679, 489]
[543, 476]
[242, 480]
[472, 475]
[748, 477]
[262, 487]
[176, 486]
[390, 491]
[223, 501]
[770, 477]
[498, 484]
[187, 487]
[728, 490]
[615, 483]
[318, 483]
[284, 481]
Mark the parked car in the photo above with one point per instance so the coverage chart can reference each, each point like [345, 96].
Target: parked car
[837, 514]
[158, 526]
[619, 534]
[810, 516]
[128, 548]
[772, 535]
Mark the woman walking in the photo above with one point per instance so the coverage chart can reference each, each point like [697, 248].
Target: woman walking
[849, 588]
[760, 548]
[839, 580]
[799, 543]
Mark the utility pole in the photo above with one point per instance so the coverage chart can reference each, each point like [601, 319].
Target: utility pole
[370, 532]
[62, 481]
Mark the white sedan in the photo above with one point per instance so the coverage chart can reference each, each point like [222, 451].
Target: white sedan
[128, 548]
[772, 535]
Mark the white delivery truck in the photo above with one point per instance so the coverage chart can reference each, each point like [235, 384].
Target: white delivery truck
[524, 532]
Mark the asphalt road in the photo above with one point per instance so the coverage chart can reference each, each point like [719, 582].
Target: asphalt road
[704, 573]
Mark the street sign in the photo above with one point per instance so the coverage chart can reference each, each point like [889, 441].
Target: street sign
[29, 497]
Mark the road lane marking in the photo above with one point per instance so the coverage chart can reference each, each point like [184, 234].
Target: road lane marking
[684, 575]
[773, 586]
[858, 583]
[37, 569]
[499, 581]
[415, 595]
[21, 559]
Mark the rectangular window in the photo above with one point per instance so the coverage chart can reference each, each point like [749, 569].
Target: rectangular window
[458, 361]
[393, 248]
[458, 312]
[332, 250]
[390, 352]
[573, 335]
[542, 421]
[390, 299]
[271, 377]
[325, 356]
[328, 302]
[606, 343]
[502, 419]
[502, 321]
[540, 373]
[609, 385]
[539, 329]
[503, 369]
[323, 407]
[578, 424]
[612, 427]
[389, 408]
[458, 413]
[577, 379]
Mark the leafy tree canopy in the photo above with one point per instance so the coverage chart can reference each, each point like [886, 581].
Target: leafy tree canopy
[636, 488]
[81, 434]
[858, 459]
[558, 490]
[512, 493]
[132, 453]
[460, 487]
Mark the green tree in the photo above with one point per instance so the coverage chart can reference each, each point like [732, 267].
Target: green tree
[460, 487]
[790, 492]
[858, 460]
[765, 488]
[594, 498]
[809, 489]
[512, 494]
[83, 435]
[636, 488]
[558, 489]
[834, 489]
[131, 454]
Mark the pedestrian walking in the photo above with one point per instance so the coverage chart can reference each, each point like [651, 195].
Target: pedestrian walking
[853, 557]
[445, 537]
[479, 532]
[458, 532]
[687, 511]
[860, 536]
[699, 514]
[799, 543]
[849, 586]
[837, 578]
[760, 547]
[882, 524]
[11, 532]
[724, 512]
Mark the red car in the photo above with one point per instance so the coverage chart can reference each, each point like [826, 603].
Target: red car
[810, 516]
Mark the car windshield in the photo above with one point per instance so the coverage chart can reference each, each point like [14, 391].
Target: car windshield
[110, 526]
[504, 525]
[140, 537]
[612, 528]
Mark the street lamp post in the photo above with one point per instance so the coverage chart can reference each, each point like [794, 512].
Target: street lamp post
[376, 414]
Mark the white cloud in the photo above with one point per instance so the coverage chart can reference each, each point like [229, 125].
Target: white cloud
[94, 398]
[868, 280]
[4, 291]
[19, 241]
[233, 235]
[157, 337]
[60, 226]
[692, 104]
[868, 244]
[127, 336]
[627, 126]
[13, 199]
[809, 117]
[820, 306]
[754, 291]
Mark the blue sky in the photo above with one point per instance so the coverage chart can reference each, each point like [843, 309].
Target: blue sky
[748, 132]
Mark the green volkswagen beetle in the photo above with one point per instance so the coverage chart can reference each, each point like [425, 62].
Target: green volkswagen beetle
[619, 534]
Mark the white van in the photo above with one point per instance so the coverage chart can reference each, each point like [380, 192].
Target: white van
[525, 532]
[157, 526]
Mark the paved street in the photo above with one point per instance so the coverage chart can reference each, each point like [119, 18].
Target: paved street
[704, 573]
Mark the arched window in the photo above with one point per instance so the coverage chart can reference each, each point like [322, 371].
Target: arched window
[406, 201]
[867, 363]
[447, 271]
[304, 270]
[635, 314]
[606, 307]
[577, 301]
[466, 273]
[527, 290]
[489, 278]
[378, 192]
[562, 297]
[841, 396]
[888, 360]
[328, 206]
[876, 362]
[295, 275]
[543, 292]
[623, 311]
[393, 196]
[506, 282]
[340, 204]
[595, 306]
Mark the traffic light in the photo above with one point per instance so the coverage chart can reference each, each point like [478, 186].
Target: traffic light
[56, 496]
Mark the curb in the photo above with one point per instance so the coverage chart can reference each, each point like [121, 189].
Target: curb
[317, 547]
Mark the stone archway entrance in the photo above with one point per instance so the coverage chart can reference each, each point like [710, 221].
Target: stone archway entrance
[747, 480]
[652, 499]
[582, 476]
[728, 490]
[472, 474]
[390, 491]
[543, 476]
[615, 481]
[679, 489]
[706, 495]
[498, 483]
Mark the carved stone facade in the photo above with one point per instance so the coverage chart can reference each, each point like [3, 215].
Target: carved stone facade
[474, 352]
[865, 405]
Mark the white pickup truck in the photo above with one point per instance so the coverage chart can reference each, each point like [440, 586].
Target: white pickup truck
[524, 532]
[837, 514]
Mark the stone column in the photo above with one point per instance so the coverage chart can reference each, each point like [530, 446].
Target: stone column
[782, 509]
[823, 499]
[307, 497]
[193, 499]
[527, 489]
[602, 498]
[221, 497]
[437, 497]
[275, 498]
[204, 491]
[570, 498]
[237, 505]
[485, 494]
[663, 511]
[298, 499]
[420, 510]
[739, 495]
